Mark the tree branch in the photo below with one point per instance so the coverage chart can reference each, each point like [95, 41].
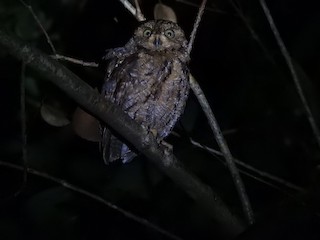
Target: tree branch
[246, 206]
[93, 196]
[136, 12]
[296, 79]
[75, 61]
[258, 173]
[23, 122]
[139, 137]
[40, 25]
[196, 25]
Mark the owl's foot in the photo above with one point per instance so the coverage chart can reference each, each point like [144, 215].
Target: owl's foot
[168, 148]
[154, 132]
[160, 141]
[167, 145]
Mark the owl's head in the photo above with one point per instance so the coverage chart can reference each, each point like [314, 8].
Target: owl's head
[160, 35]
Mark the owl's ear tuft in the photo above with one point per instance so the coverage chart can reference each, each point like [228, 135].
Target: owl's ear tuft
[164, 12]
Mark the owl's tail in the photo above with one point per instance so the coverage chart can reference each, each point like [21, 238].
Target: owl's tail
[113, 149]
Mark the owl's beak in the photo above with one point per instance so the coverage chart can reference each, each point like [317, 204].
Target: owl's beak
[157, 41]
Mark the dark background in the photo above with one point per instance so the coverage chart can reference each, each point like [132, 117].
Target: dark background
[247, 83]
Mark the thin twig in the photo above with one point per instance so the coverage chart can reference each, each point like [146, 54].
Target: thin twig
[196, 25]
[197, 6]
[253, 169]
[246, 206]
[40, 25]
[252, 31]
[294, 75]
[93, 196]
[224, 149]
[129, 6]
[23, 122]
[138, 11]
[133, 10]
[55, 55]
[264, 174]
[270, 184]
[76, 61]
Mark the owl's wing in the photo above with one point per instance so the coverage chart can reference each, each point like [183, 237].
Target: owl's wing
[121, 52]
[112, 148]
[105, 143]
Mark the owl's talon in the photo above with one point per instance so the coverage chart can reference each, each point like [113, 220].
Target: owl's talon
[167, 145]
[168, 159]
[154, 132]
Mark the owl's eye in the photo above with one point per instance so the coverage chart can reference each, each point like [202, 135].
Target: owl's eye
[147, 33]
[169, 33]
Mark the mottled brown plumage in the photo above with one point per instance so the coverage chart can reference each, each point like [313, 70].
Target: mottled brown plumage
[148, 79]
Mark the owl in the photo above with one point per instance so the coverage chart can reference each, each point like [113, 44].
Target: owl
[148, 79]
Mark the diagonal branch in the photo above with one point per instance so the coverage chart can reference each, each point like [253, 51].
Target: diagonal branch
[196, 25]
[93, 196]
[40, 25]
[246, 206]
[292, 70]
[136, 12]
[53, 49]
[23, 122]
[139, 137]
[211, 9]
[253, 33]
[258, 173]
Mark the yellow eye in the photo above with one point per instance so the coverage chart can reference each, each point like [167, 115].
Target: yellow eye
[169, 33]
[147, 33]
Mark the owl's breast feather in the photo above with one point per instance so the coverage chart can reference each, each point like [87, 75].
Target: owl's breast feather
[152, 88]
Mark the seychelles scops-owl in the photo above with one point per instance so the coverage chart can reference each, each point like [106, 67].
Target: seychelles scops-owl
[148, 79]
